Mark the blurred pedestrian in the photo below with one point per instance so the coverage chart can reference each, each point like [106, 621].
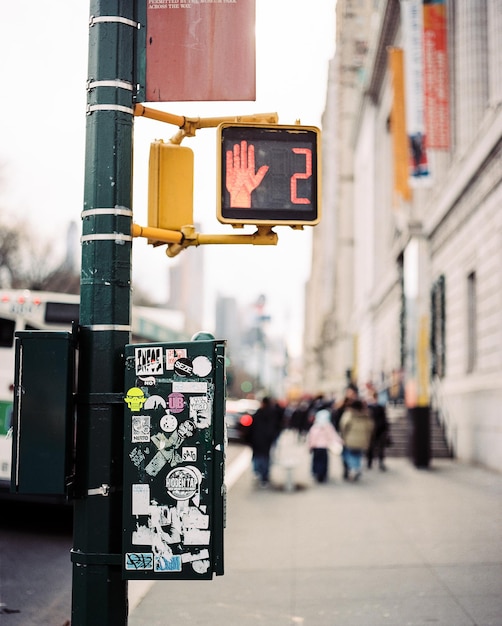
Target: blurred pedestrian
[261, 436]
[322, 437]
[318, 403]
[356, 428]
[299, 418]
[380, 437]
[351, 394]
[280, 418]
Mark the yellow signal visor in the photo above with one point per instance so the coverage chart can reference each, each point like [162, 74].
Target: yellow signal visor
[170, 186]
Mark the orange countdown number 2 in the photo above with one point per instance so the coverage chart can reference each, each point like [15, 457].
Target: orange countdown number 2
[301, 175]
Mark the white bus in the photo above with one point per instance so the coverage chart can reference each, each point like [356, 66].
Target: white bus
[44, 310]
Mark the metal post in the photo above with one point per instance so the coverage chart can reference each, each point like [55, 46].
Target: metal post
[99, 593]
[417, 392]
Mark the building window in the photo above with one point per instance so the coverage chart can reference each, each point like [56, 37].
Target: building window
[438, 328]
[472, 348]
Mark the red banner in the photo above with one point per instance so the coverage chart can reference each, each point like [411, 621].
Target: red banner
[200, 50]
[436, 83]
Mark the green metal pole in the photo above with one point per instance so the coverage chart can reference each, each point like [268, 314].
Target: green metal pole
[99, 595]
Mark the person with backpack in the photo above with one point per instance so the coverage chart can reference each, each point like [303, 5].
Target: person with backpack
[356, 429]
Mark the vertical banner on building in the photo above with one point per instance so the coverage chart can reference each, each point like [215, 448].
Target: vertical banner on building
[199, 50]
[436, 77]
[398, 127]
[412, 19]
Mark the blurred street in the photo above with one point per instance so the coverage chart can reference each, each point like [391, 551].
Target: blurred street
[403, 547]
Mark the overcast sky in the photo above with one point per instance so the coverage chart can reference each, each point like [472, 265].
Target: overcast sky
[43, 51]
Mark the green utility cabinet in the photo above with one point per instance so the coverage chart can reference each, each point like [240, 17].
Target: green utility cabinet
[43, 415]
[174, 460]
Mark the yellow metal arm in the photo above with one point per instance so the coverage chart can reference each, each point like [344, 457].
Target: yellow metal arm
[178, 241]
[189, 125]
[157, 234]
[160, 116]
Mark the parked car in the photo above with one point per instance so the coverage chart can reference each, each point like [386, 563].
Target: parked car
[239, 417]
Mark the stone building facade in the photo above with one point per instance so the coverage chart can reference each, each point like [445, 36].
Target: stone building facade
[406, 293]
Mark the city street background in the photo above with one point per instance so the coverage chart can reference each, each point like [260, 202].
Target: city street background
[44, 46]
[403, 547]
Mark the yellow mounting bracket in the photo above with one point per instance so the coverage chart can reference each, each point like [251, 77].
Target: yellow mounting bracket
[189, 125]
[188, 236]
[178, 240]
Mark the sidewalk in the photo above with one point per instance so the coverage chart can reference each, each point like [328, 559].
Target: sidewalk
[404, 547]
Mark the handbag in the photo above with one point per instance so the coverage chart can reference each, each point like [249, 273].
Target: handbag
[336, 447]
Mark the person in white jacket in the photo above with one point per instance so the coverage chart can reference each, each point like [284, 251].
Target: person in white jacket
[322, 437]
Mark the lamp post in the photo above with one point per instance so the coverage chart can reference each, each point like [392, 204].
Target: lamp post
[99, 594]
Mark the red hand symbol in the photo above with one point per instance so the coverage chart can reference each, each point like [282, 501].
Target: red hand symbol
[241, 178]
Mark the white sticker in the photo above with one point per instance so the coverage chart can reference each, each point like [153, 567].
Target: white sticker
[200, 411]
[202, 366]
[140, 499]
[168, 422]
[154, 402]
[140, 428]
[156, 464]
[149, 361]
[188, 557]
[197, 537]
[189, 454]
[182, 483]
[148, 381]
[189, 387]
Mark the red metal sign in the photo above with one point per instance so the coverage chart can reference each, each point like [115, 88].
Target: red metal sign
[200, 50]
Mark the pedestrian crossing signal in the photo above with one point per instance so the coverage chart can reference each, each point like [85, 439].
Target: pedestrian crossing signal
[268, 174]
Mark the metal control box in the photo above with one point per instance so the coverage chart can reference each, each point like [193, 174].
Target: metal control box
[174, 459]
[43, 414]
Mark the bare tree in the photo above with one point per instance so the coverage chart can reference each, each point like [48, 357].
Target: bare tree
[27, 262]
[10, 254]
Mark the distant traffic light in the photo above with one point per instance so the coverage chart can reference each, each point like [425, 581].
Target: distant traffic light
[268, 174]
[170, 186]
